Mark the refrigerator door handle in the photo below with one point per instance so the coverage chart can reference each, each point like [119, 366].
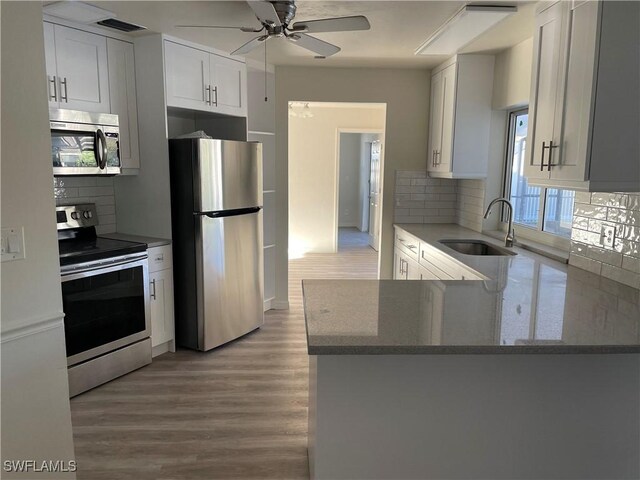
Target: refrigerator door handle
[230, 213]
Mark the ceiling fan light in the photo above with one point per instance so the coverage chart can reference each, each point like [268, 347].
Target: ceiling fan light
[462, 28]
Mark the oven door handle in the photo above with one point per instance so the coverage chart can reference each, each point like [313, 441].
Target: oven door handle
[100, 266]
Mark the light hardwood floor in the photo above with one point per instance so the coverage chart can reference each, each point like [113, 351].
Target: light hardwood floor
[239, 411]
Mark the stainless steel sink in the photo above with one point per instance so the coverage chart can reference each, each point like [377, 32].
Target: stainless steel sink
[475, 247]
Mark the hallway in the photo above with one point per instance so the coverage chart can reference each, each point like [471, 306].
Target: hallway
[239, 411]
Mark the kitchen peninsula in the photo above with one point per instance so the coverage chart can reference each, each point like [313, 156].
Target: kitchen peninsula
[533, 372]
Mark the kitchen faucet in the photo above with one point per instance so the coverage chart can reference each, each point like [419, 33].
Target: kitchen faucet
[511, 234]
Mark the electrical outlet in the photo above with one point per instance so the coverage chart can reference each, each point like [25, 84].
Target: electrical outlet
[608, 236]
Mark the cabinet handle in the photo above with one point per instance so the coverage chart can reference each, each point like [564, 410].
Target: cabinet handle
[550, 147]
[411, 247]
[438, 162]
[54, 96]
[215, 91]
[433, 158]
[153, 293]
[66, 95]
[207, 98]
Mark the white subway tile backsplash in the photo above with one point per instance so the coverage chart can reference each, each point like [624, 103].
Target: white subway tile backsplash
[592, 212]
[419, 199]
[97, 190]
[469, 203]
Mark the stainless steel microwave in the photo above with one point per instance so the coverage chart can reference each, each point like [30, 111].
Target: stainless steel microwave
[84, 143]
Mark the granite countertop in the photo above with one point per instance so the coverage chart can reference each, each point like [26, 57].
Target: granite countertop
[530, 304]
[150, 241]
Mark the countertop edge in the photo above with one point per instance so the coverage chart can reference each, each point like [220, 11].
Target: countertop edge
[477, 350]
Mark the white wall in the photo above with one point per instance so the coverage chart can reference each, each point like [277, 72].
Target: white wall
[512, 76]
[349, 198]
[313, 173]
[36, 420]
[406, 94]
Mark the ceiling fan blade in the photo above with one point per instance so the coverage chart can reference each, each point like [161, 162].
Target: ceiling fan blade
[340, 24]
[250, 45]
[265, 12]
[314, 44]
[244, 29]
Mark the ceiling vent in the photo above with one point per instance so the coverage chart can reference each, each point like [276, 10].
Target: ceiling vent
[120, 25]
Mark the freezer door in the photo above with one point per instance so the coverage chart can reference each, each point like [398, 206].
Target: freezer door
[227, 175]
[229, 275]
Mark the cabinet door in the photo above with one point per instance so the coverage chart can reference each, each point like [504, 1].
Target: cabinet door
[162, 320]
[83, 78]
[399, 265]
[187, 77]
[413, 270]
[50, 63]
[435, 129]
[445, 154]
[228, 85]
[545, 71]
[122, 97]
[578, 90]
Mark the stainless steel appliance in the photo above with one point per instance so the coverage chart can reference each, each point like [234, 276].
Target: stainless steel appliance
[84, 143]
[216, 205]
[105, 295]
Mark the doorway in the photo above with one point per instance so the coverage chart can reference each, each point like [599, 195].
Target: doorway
[315, 189]
[359, 189]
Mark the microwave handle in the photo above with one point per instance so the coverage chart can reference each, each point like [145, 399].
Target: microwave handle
[101, 146]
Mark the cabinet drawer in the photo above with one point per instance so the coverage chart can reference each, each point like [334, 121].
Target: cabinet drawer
[432, 257]
[407, 244]
[160, 258]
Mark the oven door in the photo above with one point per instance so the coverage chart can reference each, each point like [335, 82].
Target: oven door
[106, 306]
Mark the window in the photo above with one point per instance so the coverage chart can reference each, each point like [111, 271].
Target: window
[549, 210]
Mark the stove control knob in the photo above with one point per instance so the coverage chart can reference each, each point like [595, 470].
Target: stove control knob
[87, 214]
[74, 215]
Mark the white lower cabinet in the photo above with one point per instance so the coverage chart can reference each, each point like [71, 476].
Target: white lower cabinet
[161, 299]
[415, 259]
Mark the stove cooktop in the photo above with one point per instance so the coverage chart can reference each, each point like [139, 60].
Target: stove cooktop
[73, 251]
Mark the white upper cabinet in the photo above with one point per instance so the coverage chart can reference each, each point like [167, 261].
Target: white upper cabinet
[461, 91]
[197, 79]
[122, 96]
[187, 77]
[229, 79]
[80, 80]
[585, 97]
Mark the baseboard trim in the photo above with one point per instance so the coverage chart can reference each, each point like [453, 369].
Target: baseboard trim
[32, 326]
[280, 304]
[268, 304]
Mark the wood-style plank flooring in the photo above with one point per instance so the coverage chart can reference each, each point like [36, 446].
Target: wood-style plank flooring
[239, 411]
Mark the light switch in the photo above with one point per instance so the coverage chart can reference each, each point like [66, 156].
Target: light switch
[12, 244]
[608, 236]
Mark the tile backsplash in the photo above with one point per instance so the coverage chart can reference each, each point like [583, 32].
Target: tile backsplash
[592, 212]
[98, 190]
[470, 204]
[419, 199]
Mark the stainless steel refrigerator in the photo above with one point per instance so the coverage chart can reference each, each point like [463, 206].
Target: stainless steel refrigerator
[216, 212]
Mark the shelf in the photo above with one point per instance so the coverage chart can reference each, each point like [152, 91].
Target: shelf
[268, 191]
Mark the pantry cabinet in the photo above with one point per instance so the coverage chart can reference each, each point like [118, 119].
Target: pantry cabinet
[197, 79]
[77, 69]
[461, 90]
[585, 97]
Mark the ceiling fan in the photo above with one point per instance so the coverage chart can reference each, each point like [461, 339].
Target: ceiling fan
[275, 17]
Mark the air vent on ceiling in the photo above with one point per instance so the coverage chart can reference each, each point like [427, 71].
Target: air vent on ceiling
[120, 25]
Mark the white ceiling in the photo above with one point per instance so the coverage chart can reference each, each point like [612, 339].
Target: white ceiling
[397, 28]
